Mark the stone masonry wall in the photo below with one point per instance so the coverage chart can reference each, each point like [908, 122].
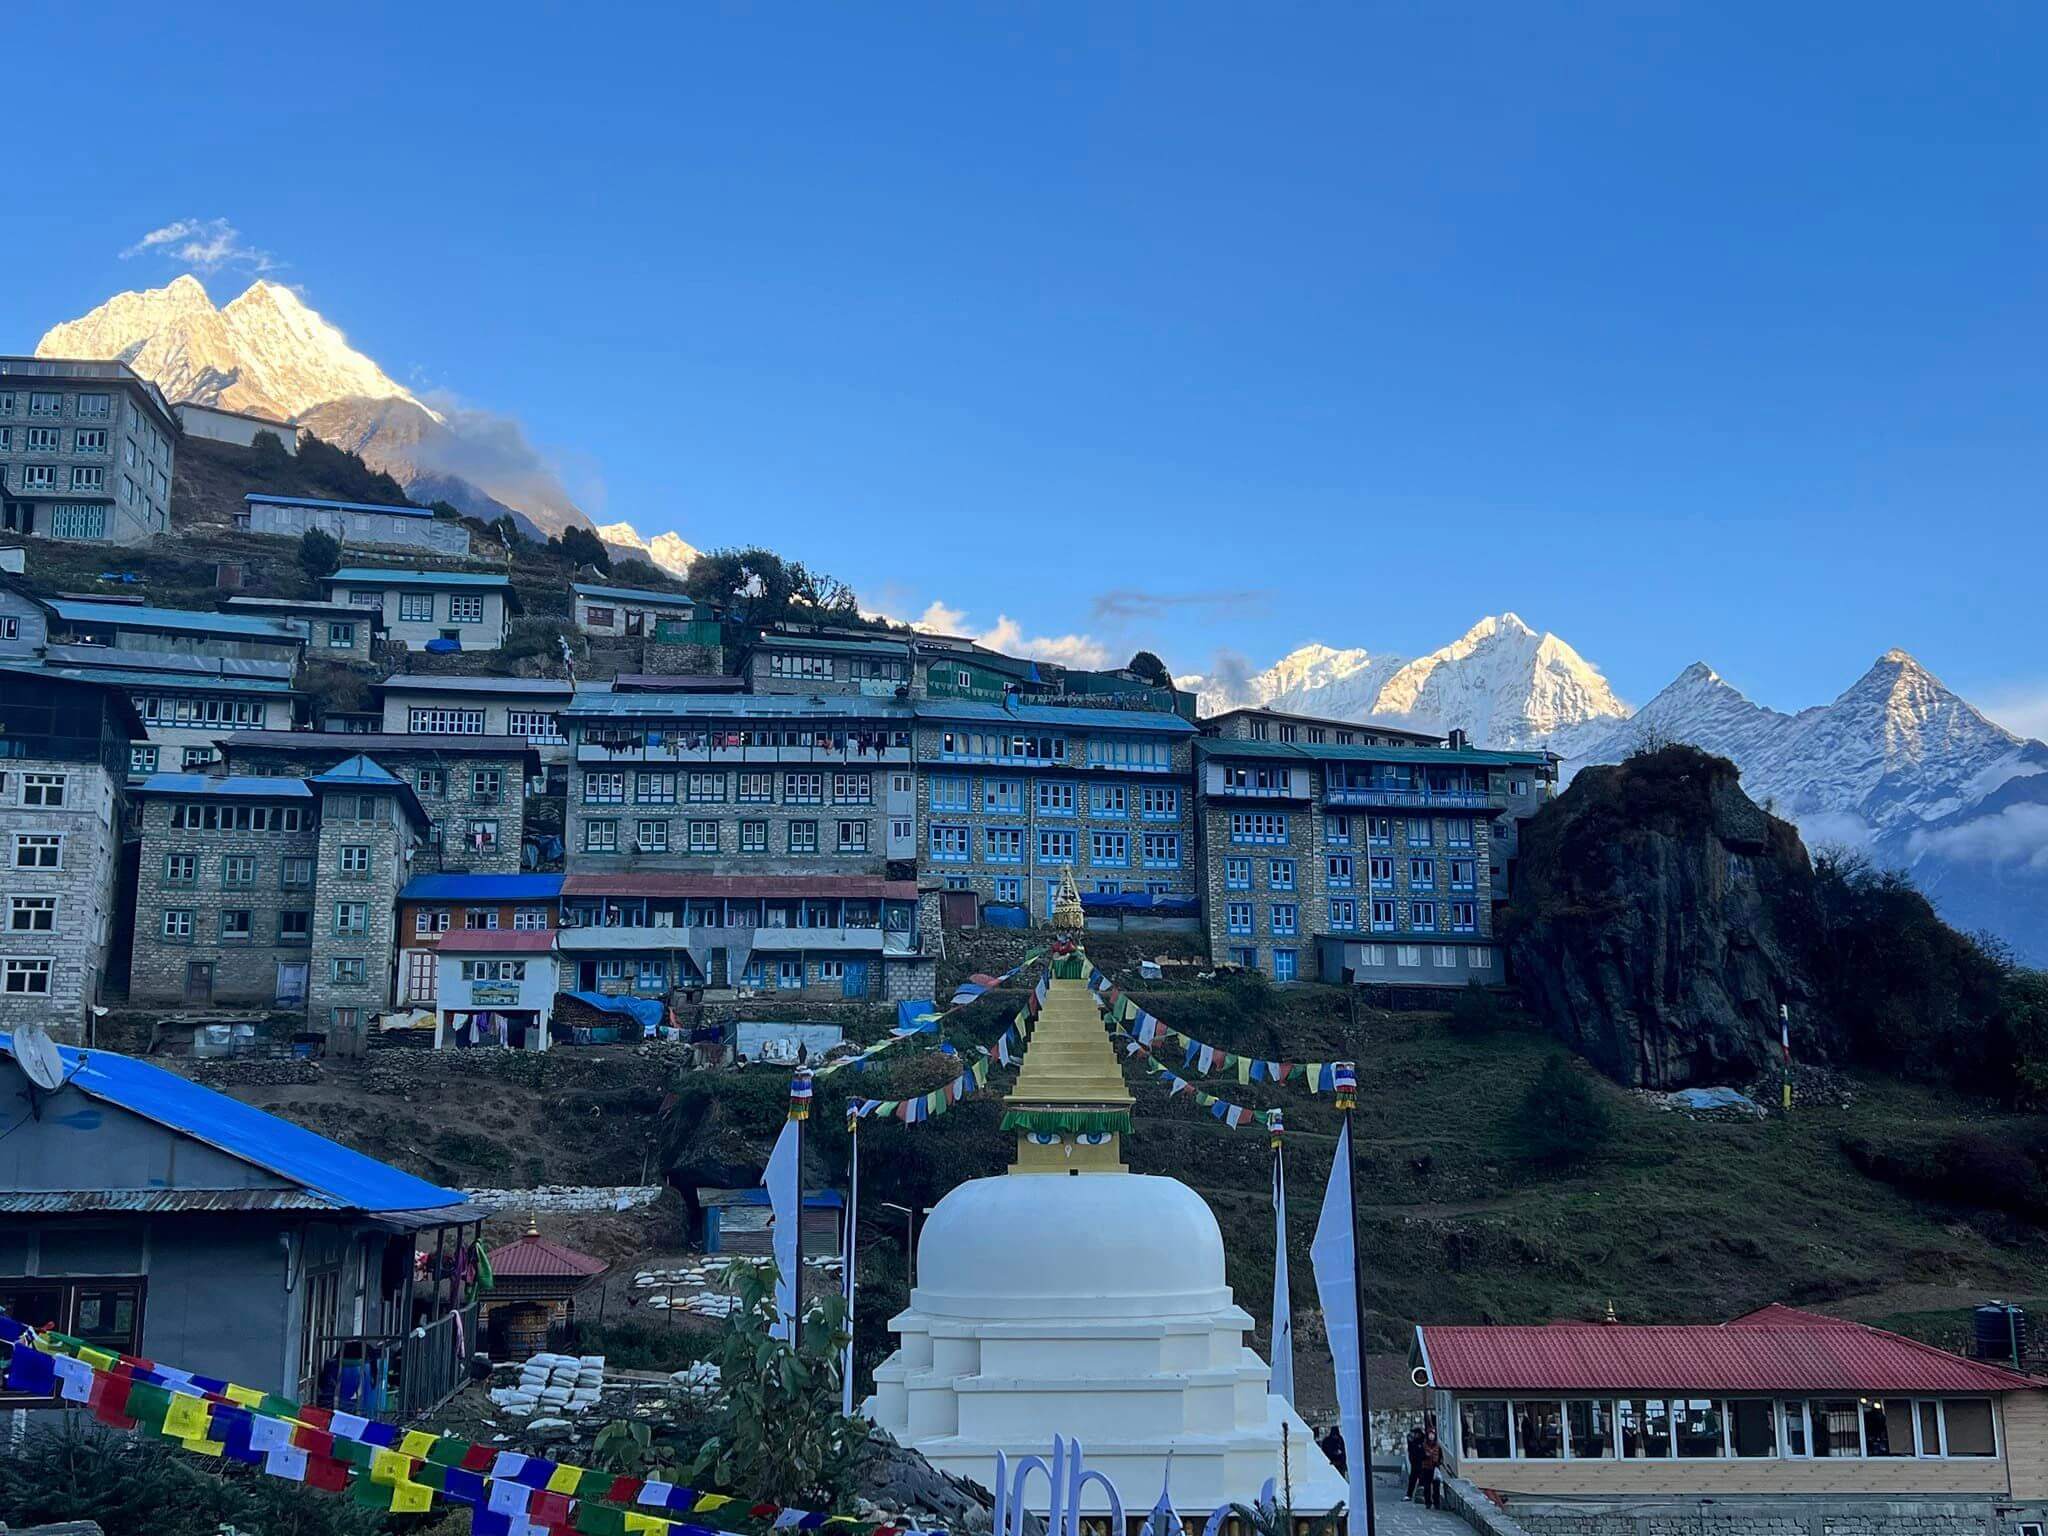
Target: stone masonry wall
[1790, 1516]
[83, 885]
[386, 837]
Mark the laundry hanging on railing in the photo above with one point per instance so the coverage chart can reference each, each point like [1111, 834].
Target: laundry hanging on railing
[1150, 1031]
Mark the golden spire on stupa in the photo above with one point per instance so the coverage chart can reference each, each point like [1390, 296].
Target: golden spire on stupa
[1070, 1107]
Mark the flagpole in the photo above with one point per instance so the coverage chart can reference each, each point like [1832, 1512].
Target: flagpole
[848, 1251]
[1283, 1298]
[799, 1113]
[1346, 1085]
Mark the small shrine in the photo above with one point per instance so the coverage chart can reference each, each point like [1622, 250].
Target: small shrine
[536, 1283]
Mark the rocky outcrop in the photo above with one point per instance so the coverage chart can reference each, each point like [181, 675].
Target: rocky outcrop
[1659, 922]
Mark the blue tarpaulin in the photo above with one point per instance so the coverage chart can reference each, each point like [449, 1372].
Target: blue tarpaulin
[908, 1011]
[1138, 901]
[1005, 917]
[646, 1011]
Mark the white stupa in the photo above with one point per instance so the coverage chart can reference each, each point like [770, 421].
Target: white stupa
[1071, 1297]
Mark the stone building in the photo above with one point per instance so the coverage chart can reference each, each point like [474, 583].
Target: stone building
[337, 632]
[187, 703]
[431, 907]
[371, 823]
[176, 631]
[739, 783]
[352, 523]
[869, 662]
[1010, 797]
[24, 621]
[85, 451]
[1370, 862]
[62, 798]
[473, 788]
[633, 613]
[1781, 1420]
[448, 704]
[226, 889]
[472, 608]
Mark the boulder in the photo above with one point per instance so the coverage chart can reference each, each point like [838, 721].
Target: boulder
[1659, 921]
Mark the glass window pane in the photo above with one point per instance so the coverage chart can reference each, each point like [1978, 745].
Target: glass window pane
[1969, 1426]
[1591, 1421]
[1888, 1427]
[1930, 1427]
[1754, 1433]
[1539, 1431]
[1794, 1420]
[1645, 1427]
[1483, 1429]
[106, 1317]
[1698, 1423]
[1834, 1428]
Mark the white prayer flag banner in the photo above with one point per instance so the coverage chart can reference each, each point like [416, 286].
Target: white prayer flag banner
[1283, 1301]
[783, 1178]
[1334, 1256]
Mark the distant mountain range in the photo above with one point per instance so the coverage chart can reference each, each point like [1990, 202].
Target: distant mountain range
[1897, 767]
[267, 352]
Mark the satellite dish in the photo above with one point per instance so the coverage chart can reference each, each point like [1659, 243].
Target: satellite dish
[38, 1057]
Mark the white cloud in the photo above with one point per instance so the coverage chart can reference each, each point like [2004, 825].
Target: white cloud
[207, 245]
[2017, 834]
[1005, 635]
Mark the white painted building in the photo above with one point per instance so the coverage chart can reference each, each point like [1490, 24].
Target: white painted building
[629, 611]
[495, 987]
[472, 608]
[353, 522]
[429, 704]
[220, 425]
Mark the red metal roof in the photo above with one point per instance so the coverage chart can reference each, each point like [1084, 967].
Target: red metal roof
[741, 887]
[535, 1257]
[1774, 1349]
[496, 941]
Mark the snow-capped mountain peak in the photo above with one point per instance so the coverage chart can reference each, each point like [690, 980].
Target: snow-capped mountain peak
[670, 551]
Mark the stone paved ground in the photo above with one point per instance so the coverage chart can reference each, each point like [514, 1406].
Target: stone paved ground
[1397, 1518]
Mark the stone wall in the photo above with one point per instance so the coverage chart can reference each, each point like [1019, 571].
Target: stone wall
[376, 947]
[83, 885]
[567, 1197]
[1785, 1515]
[777, 814]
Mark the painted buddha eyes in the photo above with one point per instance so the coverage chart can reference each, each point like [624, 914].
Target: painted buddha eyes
[1093, 1138]
[1045, 1138]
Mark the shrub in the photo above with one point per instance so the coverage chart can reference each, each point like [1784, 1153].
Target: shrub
[582, 547]
[1562, 1120]
[267, 456]
[319, 554]
[1476, 1010]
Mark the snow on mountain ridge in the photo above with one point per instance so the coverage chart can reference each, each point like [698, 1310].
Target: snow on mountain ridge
[670, 551]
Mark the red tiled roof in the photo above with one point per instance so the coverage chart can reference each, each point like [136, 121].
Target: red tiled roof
[496, 941]
[741, 887]
[1774, 1349]
[535, 1257]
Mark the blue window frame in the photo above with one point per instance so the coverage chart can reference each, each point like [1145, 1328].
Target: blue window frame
[1337, 831]
[949, 844]
[1258, 827]
[1111, 801]
[1422, 874]
[1160, 804]
[1055, 847]
[1009, 888]
[1286, 964]
[1162, 850]
[1343, 914]
[952, 792]
[1237, 874]
[1055, 797]
[1003, 845]
[1237, 916]
[1109, 848]
[1003, 795]
[1286, 918]
[1339, 871]
[1280, 874]
[1245, 957]
[1421, 832]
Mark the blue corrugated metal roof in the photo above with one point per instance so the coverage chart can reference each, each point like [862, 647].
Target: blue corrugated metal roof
[1073, 715]
[634, 595]
[347, 1180]
[136, 617]
[197, 681]
[358, 770]
[236, 784]
[339, 506]
[592, 704]
[368, 576]
[482, 888]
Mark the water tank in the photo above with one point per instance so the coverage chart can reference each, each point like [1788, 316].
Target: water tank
[1999, 1332]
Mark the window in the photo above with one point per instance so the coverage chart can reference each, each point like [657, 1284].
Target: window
[1967, 1427]
[948, 842]
[1696, 1424]
[854, 789]
[142, 759]
[1645, 1427]
[1055, 847]
[1464, 917]
[435, 721]
[1280, 874]
[351, 917]
[1420, 832]
[1382, 917]
[346, 971]
[295, 927]
[1337, 869]
[1379, 829]
[530, 919]
[753, 837]
[1055, 798]
[486, 783]
[1422, 914]
[38, 850]
[1590, 1424]
[707, 788]
[465, 608]
[107, 1314]
[1837, 1427]
[1109, 848]
[853, 837]
[1381, 870]
[416, 607]
[1107, 800]
[1479, 958]
[1286, 964]
[1751, 1431]
[89, 440]
[604, 788]
[1009, 888]
[1343, 914]
[237, 925]
[341, 635]
[1422, 874]
[950, 792]
[803, 837]
[430, 920]
[650, 975]
[1482, 1429]
[177, 923]
[1159, 804]
[431, 781]
[40, 440]
[803, 788]
[1464, 874]
[43, 402]
[1409, 955]
[297, 872]
[600, 837]
[196, 758]
[1258, 827]
[601, 618]
[1458, 831]
[93, 407]
[181, 869]
[651, 837]
[32, 914]
[1162, 850]
[1337, 831]
[757, 789]
[1237, 874]
[1539, 1431]
[1286, 919]
[1003, 845]
[87, 477]
[1237, 916]
[44, 789]
[781, 664]
[355, 859]
[704, 836]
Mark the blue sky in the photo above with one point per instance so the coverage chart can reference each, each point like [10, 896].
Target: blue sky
[1688, 332]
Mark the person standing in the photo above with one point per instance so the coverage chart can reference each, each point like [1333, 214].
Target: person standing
[1432, 1467]
[1415, 1439]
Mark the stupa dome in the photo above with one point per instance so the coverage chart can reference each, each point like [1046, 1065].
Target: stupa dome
[1095, 1245]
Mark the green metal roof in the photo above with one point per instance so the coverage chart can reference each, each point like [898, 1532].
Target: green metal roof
[594, 704]
[373, 576]
[1434, 757]
[1071, 716]
[635, 595]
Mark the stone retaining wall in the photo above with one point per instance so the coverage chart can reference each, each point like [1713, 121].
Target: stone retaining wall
[567, 1197]
[1779, 1516]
